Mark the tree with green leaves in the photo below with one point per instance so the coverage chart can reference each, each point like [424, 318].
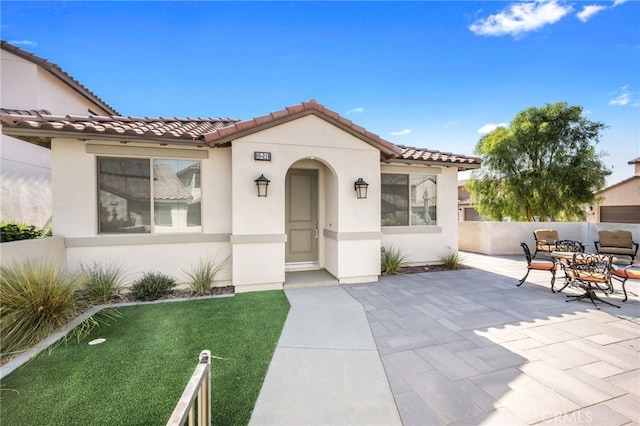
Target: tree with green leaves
[543, 165]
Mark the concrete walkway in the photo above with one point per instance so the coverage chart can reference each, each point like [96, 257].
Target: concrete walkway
[463, 347]
[326, 369]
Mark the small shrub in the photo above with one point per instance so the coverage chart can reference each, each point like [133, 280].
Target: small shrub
[102, 281]
[15, 231]
[450, 259]
[392, 261]
[37, 297]
[152, 286]
[202, 276]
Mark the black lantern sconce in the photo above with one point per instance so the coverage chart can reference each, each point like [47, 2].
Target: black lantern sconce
[262, 183]
[361, 188]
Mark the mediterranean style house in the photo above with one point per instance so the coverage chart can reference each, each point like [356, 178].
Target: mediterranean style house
[31, 83]
[298, 189]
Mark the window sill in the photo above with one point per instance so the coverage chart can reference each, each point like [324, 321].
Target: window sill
[431, 229]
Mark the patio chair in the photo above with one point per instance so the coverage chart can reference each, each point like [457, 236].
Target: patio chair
[618, 243]
[623, 274]
[545, 240]
[567, 246]
[590, 271]
[538, 265]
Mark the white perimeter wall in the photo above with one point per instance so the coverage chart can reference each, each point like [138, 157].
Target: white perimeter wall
[503, 238]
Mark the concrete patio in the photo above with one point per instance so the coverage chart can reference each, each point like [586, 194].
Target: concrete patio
[462, 347]
[469, 347]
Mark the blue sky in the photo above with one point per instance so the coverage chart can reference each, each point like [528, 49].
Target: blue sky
[431, 74]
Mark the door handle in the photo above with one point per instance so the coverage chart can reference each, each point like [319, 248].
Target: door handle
[316, 229]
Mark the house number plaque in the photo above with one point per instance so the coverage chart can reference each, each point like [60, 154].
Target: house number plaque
[262, 156]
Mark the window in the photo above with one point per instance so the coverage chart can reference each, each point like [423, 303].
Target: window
[126, 205]
[408, 200]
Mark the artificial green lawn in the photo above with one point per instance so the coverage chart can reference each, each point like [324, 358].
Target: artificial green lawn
[137, 376]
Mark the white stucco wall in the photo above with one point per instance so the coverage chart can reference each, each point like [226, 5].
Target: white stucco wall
[236, 222]
[172, 259]
[341, 159]
[25, 182]
[75, 212]
[25, 191]
[427, 244]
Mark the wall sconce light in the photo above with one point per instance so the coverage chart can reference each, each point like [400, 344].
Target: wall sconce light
[361, 188]
[262, 183]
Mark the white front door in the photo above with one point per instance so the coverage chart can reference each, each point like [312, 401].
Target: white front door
[301, 217]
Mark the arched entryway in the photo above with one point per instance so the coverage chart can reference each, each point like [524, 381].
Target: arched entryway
[301, 217]
[310, 187]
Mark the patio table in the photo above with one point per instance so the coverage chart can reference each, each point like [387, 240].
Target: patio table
[588, 271]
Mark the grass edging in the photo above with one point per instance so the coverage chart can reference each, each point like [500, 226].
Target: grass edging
[53, 338]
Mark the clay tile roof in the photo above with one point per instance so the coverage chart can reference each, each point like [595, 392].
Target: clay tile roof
[24, 111]
[155, 129]
[243, 128]
[634, 161]
[167, 185]
[436, 157]
[60, 73]
[213, 131]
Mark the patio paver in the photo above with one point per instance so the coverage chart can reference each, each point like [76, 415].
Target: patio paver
[469, 347]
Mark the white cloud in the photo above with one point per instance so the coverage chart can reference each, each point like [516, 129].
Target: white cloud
[623, 96]
[401, 132]
[23, 43]
[490, 127]
[589, 11]
[618, 2]
[358, 110]
[449, 124]
[521, 18]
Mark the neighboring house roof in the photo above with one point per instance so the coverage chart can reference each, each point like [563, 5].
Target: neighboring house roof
[31, 112]
[622, 182]
[167, 185]
[134, 185]
[215, 132]
[59, 73]
[634, 161]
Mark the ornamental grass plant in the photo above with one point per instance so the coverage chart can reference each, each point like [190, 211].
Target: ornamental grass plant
[202, 276]
[37, 298]
[392, 260]
[102, 282]
[450, 259]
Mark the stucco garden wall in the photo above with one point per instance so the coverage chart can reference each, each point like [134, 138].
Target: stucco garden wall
[50, 249]
[503, 238]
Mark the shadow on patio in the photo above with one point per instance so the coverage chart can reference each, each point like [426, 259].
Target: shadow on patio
[469, 347]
